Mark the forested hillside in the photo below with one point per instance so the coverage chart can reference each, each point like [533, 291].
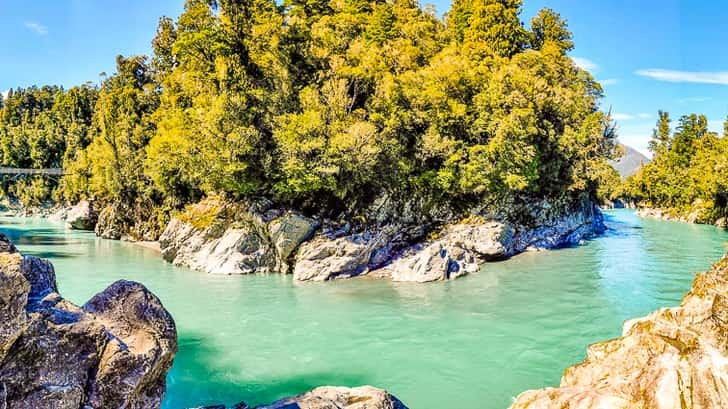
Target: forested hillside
[324, 106]
[689, 173]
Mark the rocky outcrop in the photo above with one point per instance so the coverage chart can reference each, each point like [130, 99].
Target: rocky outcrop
[82, 216]
[219, 237]
[113, 352]
[343, 257]
[460, 250]
[722, 223]
[464, 247]
[222, 238]
[673, 358]
[557, 231]
[109, 225]
[364, 397]
[331, 397]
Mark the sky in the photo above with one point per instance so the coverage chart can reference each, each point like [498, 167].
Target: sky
[648, 54]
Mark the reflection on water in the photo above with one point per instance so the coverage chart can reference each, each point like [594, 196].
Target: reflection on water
[472, 343]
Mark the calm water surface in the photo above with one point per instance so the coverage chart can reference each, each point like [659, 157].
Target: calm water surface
[472, 343]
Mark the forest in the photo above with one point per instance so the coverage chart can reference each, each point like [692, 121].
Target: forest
[688, 175]
[324, 106]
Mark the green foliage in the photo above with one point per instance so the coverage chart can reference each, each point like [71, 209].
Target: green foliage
[689, 172]
[43, 128]
[326, 105]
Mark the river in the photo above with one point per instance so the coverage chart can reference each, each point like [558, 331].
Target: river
[472, 343]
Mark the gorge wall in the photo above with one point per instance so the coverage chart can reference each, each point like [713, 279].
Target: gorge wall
[673, 358]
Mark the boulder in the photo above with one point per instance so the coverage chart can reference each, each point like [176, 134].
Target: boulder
[489, 240]
[673, 358]
[331, 397]
[460, 250]
[323, 259]
[81, 216]
[59, 215]
[435, 262]
[288, 232]
[722, 223]
[114, 352]
[215, 250]
[109, 224]
[219, 237]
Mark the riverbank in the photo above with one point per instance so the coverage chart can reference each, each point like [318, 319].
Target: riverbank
[217, 236]
[692, 217]
[673, 358]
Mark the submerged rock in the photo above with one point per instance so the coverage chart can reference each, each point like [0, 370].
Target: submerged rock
[331, 397]
[673, 358]
[114, 352]
[82, 216]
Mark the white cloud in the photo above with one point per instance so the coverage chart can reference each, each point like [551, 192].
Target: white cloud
[4, 94]
[609, 81]
[629, 117]
[585, 64]
[698, 77]
[37, 28]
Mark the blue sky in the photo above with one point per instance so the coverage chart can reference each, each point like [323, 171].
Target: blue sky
[649, 54]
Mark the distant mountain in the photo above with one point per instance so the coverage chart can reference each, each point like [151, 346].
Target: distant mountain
[630, 162]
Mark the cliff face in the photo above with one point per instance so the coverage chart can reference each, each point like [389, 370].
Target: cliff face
[673, 358]
[227, 238]
[113, 352]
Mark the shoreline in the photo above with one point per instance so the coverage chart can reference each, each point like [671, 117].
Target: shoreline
[312, 250]
[664, 214]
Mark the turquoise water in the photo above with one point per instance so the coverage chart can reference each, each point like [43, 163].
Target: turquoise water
[472, 343]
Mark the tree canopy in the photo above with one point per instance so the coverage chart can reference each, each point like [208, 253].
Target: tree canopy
[689, 172]
[327, 105]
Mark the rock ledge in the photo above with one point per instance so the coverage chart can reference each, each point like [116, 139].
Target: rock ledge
[673, 358]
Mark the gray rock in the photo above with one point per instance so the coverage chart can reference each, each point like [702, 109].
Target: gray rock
[489, 240]
[322, 259]
[109, 224]
[722, 223]
[112, 353]
[59, 215]
[330, 397]
[288, 232]
[235, 250]
[82, 216]
[435, 262]
[458, 252]
[569, 229]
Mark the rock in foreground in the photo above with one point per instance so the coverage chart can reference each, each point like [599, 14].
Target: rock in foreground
[673, 358]
[332, 397]
[114, 352]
